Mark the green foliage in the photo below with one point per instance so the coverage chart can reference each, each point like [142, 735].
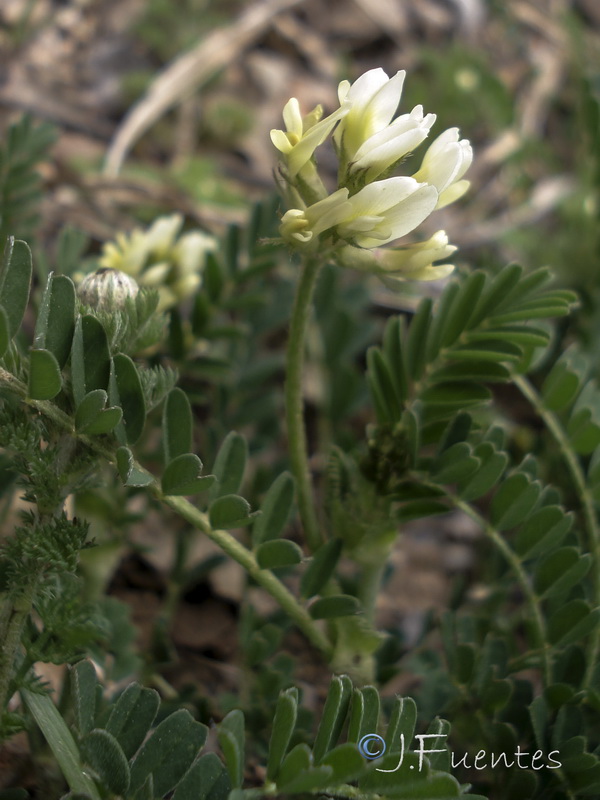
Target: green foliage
[517, 667]
[15, 283]
[56, 318]
[128, 753]
[480, 329]
[50, 546]
[20, 185]
[428, 456]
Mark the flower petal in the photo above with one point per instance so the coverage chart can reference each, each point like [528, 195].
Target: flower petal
[382, 195]
[430, 273]
[316, 135]
[281, 141]
[329, 212]
[384, 103]
[404, 216]
[292, 117]
[452, 193]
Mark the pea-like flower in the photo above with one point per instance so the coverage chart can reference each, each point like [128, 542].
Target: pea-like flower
[377, 214]
[160, 258]
[303, 134]
[445, 162]
[370, 209]
[368, 138]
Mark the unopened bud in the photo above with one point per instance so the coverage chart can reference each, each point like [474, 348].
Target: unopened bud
[107, 289]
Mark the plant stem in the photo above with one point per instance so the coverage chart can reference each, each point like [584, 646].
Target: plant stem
[294, 403]
[21, 608]
[263, 577]
[370, 584]
[521, 575]
[587, 503]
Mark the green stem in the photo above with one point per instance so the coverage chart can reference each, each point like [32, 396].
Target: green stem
[263, 577]
[20, 611]
[370, 584]
[520, 574]
[522, 577]
[294, 403]
[587, 502]
[176, 577]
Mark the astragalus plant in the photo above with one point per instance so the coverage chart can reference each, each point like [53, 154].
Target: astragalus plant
[90, 410]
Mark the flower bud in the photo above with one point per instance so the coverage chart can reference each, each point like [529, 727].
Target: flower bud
[107, 289]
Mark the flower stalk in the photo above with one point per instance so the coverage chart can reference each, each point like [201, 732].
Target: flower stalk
[294, 402]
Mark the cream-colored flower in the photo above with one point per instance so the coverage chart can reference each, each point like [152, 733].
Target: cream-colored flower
[368, 209]
[389, 145]
[127, 253]
[367, 138]
[445, 162]
[379, 213]
[159, 258]
[373, 100]
[414, 258]
[387, 210]
[161, 235]
[190, 250]
[303, 134]
[414, 262]
[302, 226]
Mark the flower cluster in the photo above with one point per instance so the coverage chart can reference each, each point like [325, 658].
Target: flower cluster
[159, 258]
[371, 206]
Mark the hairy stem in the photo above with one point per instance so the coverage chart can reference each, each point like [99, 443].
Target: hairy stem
[370, 584]
[294, 403]
[587, 502]
[263, 577]
[522, 577]
[21, 608]
[516, 566]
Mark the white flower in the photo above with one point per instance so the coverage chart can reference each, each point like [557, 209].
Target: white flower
[159, 258]
[368, 209]
[367, 138]
[417, 257]
[445, 162]
[386, 210]
[415, 262]
[374, 99]
[191, 249]
[379, 213]
[303, 134]
[301, 226]
[127, 253]
[394, 266]
[160, 236]
[389, 145]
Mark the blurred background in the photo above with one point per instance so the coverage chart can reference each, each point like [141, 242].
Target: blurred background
[167, 104]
